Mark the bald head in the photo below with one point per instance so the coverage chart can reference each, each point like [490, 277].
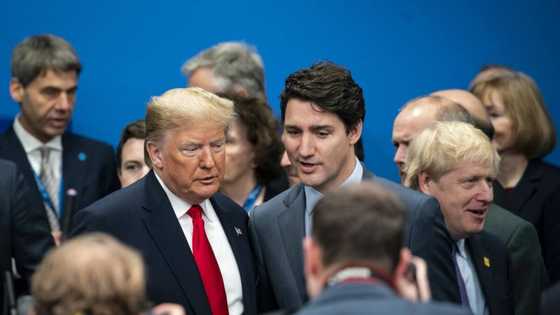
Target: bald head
[473, 105]
[417, 115]
[470, 102]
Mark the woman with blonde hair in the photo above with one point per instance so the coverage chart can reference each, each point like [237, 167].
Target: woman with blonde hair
[93, 274]
[525, 134]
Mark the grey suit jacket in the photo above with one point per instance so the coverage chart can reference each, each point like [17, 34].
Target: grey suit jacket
[277, 231]
[365, 298]
[527, 272]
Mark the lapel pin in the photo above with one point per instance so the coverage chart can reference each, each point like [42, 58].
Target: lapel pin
[82, 156]
[238, 231]
[486, 262]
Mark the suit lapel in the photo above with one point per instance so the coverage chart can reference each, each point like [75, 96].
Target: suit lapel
[482, 261]
[291, 222]
[164, 229]
[237, 238]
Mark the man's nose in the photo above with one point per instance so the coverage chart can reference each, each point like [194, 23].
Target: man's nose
[207, 158]
[65, 101]
[400, 156]
[307, 145]
[486, 192]
[285, 161]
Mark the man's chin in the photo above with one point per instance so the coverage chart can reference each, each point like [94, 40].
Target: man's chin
[312, 180]
[55, 131]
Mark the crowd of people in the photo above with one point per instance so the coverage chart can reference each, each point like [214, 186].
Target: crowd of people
[222, 209]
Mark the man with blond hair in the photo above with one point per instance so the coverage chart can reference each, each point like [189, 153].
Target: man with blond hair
[194, 239]
[527, 272]
[455, 163]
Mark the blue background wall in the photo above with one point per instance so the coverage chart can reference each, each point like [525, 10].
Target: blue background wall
[396, 50]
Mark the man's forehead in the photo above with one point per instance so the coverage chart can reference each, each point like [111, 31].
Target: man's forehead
[207, 132]
[54, 77]
[408, 125]
[472, 168]
[316, 118]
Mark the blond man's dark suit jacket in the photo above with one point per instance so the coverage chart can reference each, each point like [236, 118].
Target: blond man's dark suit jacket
[492, 264]
[142, 216]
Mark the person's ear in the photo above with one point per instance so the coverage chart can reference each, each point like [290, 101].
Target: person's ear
[16, 90]
[313, 267]
[355, 132]
[425, 183]
[311, 256]
[155, 154]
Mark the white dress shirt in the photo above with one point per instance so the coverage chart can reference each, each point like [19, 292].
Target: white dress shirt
[477, 303]
[312, 195]
[32, 146]
[218, 241]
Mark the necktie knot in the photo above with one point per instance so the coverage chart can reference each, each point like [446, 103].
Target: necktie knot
[195, 212]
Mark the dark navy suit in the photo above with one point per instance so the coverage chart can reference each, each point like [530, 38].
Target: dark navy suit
[24, 230]
[88, 166]
[142, 216]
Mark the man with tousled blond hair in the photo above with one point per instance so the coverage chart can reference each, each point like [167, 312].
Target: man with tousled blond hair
[194, 239]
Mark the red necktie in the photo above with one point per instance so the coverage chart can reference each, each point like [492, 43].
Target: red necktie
[207, 265]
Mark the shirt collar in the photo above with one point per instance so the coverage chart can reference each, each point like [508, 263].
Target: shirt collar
[30, 143]
[461, 250]
[356, 176]
[180, 206]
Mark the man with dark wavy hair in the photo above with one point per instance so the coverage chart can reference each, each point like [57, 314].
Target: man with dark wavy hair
[323, 112]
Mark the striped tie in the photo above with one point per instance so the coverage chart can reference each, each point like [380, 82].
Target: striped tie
[49, 183]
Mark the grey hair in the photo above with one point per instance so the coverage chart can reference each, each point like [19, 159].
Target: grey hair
[234, 64]
[37, 54]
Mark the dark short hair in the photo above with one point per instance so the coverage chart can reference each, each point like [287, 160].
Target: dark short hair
[37, 54]
[134, 130]
[256, 116]
[329, 86]
[363, 222]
